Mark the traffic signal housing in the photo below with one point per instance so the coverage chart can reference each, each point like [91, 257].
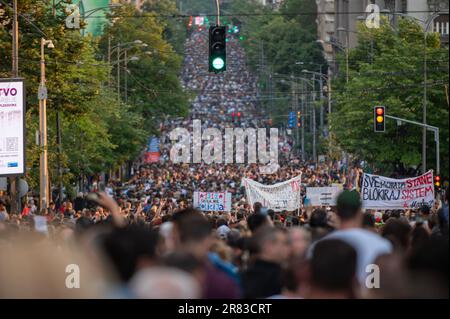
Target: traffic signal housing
[437, 182]
[299, 119]
[379, 119]
[217, 49]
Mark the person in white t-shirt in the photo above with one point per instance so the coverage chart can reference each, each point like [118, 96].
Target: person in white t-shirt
[368, 245]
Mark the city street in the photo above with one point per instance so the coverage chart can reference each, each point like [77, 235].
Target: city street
[224, 149]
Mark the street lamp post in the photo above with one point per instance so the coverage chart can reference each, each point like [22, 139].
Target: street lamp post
[118, 48]
[87, 14]
[118, 73]
[126, 60]
[311, 84]
[327, 78]
[321, 126]
[42, 95]
[314, 120]
[133, 58]
[346, 50]
[425, 93]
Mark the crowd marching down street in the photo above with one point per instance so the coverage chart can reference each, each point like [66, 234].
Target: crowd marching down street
[143, 238]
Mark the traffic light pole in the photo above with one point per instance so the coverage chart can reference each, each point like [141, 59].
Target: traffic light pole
[218, 13]
[296, 109]
[426, 127]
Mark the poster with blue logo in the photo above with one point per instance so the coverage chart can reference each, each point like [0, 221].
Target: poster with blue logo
[12, 129]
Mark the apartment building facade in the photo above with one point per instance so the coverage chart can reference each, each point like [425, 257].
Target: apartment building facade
[337, 19]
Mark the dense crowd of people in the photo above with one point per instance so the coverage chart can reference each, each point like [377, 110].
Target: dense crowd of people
[142, 238]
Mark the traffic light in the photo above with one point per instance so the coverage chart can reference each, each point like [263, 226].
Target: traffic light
[437, 182]
[299, 119]
[239, 117]
[232, 117]
[217, 49]
[379, 119]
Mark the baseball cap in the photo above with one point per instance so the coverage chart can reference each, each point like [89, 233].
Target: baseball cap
[349, 199]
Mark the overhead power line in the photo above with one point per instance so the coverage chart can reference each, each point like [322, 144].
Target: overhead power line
[253, 14]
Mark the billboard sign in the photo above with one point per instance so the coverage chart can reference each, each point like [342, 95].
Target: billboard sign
[12, 127]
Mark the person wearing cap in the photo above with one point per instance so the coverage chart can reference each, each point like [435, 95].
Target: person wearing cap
[368, 245]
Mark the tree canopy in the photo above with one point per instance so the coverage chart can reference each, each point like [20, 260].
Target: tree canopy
[387, 68]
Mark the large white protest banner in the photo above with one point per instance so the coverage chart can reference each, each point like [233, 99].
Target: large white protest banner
[322, 196]
[12, 127]
[219, 202]
[379, 192]
[278, 197]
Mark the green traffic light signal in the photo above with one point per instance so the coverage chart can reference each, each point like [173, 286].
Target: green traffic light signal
[218, 63]
[217, 49]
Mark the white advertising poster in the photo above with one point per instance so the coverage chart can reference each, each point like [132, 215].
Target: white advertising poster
[278, 197]
[322, 196]
[379, 192]
[212, 202]
[12, 111]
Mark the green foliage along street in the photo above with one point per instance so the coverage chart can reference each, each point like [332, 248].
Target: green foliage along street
[99, 131]
[386, 68]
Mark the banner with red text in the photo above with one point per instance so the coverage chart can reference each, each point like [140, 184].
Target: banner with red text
[207, 201]
[379, 192]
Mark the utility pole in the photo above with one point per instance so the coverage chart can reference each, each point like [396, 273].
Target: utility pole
[126, 75]
[60, 170]
[321, 103]
[14, 181]
[295, 109]
[302, 121]
[118, 73]
[15, 46]
[271, 89]
[314, 122]
[329, 111]
[58, 141]
[109, 60]
[42, 94]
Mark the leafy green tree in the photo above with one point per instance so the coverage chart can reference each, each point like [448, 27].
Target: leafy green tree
[274, 43]
[153, 85]
[166, 13]
[98, 133]
[387, 69]
[303, 11]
